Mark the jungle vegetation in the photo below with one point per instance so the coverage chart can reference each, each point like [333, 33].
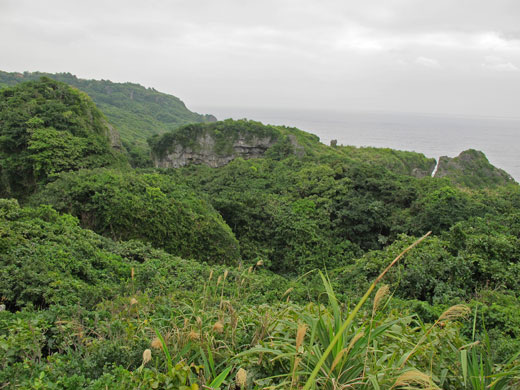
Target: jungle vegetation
[137, 112]
[325, 267]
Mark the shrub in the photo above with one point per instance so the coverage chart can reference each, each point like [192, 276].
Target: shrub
[148, 207]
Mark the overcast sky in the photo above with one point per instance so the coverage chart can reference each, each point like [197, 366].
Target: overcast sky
[431, 56]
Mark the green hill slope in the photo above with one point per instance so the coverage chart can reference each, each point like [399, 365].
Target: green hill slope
[136, 111]
[47, 127]
[48, 259]
[260, 209]
[146, 207]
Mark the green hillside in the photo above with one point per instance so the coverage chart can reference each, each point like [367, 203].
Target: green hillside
[137, 112]
[47, 127]
[148, 207]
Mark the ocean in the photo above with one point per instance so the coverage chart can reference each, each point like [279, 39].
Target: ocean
[432, 135]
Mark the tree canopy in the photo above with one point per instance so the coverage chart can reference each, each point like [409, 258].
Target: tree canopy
[47, 127]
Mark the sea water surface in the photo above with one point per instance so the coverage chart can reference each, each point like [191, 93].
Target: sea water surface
[432, 135]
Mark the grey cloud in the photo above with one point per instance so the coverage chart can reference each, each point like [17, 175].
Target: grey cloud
[405, 55]
[499, 64]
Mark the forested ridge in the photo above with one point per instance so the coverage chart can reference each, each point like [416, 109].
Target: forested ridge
[137, 112]
[258, 274]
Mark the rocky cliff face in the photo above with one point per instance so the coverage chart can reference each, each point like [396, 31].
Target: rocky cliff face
[217, 143]
[204, 151]
[419, 173]
[473, 169]
[113, 136]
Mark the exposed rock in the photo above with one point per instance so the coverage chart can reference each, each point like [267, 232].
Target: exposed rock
[204, 151]
[113, 137]
[418, 172]
[297, 148]
[217, 143]
[210, 118]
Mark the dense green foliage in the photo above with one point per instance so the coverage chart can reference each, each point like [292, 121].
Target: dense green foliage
[105, 303]
[40, 253]
[397, 161]
[136, 111]
[49, 262]
[47, 127]
[147, 207]
[254, 275]
[306, 213]
[48, 259]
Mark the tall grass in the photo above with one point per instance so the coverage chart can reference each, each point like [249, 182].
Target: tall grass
[334, 345]
[328, 346]
[479, 371]
[334, 349]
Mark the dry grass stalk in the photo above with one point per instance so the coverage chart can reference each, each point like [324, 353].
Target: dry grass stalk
[380, 295]
[241, 378]
[262, 330]
[156, 343]
[233, 320]
[218, 327]
[288, 291]
[470, 345]
[176, 336]
[294, 378]
[455, 312]
[132, 273]
[355, 340]
[382, 274]
[193, 335]
[222, 290]
[300, 335]
[417, 378]
[206, 285]
[147, 356]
